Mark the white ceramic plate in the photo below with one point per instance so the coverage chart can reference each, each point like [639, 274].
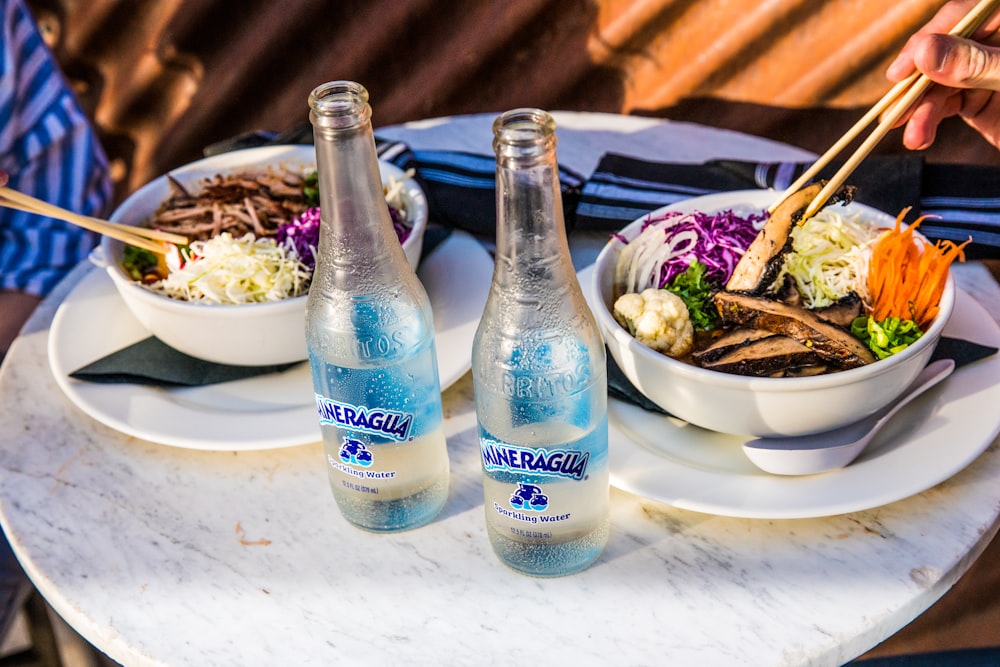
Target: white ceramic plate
[685, 466]
[258, 413]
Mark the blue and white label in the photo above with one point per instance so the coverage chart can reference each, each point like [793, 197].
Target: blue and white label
[377, 421]
[569, 463]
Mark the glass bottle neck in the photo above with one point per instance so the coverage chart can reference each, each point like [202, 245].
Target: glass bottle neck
[352, 200]
[531, 232]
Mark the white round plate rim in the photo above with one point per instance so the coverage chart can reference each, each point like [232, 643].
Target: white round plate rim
[647, 449]
[93, 321]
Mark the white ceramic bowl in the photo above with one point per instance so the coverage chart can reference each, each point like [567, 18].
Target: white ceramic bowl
[244, 335]
[750, 405]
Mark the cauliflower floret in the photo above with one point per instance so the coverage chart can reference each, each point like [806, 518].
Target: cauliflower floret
[658, 319]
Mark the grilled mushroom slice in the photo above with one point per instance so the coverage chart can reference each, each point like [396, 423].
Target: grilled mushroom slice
[770, 356]
[843, 312]
[761, 263]
[729, 342]
[828, 341]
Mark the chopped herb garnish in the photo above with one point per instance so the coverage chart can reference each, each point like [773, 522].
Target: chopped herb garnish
[310, 189]
[138, 262]
[696, 291]
[888, 337]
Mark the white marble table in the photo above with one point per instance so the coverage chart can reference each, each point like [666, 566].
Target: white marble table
[168, 556]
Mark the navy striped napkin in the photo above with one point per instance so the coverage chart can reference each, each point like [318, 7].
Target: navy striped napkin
[461, 193]
[461, 187]
[965, 197]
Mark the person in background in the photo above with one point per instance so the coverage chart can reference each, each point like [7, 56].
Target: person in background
[967, 74]
[48, 150]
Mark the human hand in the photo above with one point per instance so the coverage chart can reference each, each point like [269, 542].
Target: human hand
[966, 73]
[3, 178]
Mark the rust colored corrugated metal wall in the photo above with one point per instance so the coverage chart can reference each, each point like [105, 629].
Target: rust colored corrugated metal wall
[163, 78]
[782, 52]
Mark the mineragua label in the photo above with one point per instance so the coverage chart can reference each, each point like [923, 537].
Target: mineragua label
[378, 421]
[499, 456]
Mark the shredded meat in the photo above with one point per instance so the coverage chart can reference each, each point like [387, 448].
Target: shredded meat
[240, 203]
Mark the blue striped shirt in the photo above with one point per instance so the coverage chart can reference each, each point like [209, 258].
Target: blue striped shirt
[49, 149]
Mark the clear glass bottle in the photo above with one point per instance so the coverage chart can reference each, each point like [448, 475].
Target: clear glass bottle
[370, 334]
[539, 372]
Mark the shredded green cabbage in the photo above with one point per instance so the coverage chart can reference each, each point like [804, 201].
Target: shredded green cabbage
[227, 270]
[829, 258]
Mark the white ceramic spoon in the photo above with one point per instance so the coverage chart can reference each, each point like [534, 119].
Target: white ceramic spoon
[820, 452]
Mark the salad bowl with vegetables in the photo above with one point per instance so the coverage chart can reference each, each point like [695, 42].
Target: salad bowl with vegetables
[236, 294]
[744, 322]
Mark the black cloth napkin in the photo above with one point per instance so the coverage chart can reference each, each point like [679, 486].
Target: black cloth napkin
[966, 198]
[461, 190]
[962, 351]
[152, 362]
[461, 187]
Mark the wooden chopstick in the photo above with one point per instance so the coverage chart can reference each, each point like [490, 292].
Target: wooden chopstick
[153, 240]
[847, 138]
[902, 95]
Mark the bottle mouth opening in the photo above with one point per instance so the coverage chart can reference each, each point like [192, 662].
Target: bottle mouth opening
[524, 133]
[339, 104]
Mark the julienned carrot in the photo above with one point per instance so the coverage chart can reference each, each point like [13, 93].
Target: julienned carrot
[907, 275]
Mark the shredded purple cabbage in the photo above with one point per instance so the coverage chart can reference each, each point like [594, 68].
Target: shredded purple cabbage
[399, 223]
[722, 238]
[302, 233]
